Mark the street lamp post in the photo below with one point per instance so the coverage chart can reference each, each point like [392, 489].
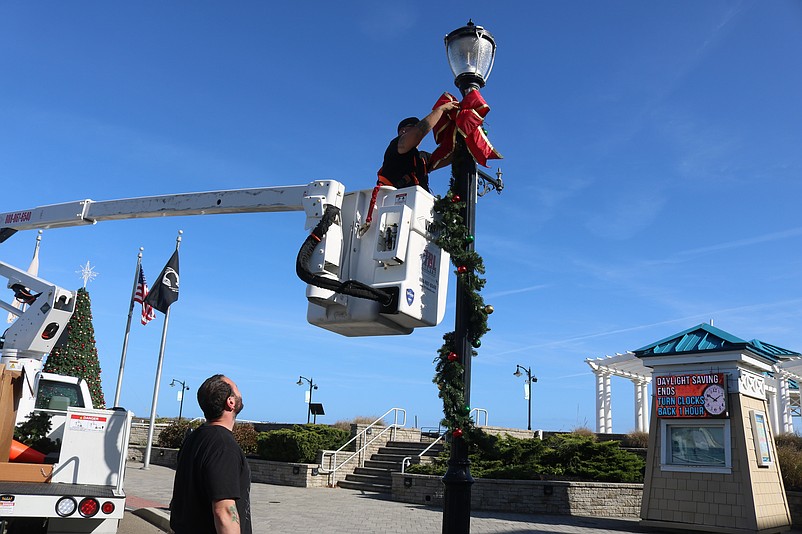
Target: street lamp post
[184, 388]
[312, 386]
[529, 380]
[470, 52]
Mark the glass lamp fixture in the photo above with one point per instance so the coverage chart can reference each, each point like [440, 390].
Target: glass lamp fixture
[471, 51]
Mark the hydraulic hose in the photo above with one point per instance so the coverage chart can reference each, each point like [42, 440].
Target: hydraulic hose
[351, 288]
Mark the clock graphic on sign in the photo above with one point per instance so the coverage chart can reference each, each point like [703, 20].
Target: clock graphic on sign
[715, 399]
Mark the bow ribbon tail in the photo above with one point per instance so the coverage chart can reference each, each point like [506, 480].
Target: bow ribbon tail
[444, 132]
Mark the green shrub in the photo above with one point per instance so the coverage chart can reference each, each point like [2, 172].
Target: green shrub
[172, 436]
[300, 443]
[571, 456]
[636, 439]
[246, 436]
[585, 432]
[358, 420]
[789, 456]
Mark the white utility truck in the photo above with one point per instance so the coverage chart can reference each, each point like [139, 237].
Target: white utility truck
[363, 278]
[82, 490]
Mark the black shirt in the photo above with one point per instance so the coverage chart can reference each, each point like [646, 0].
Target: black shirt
[211, 467]
[402, 170]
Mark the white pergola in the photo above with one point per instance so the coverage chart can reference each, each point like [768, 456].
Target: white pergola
[626, 366]
[782, 396]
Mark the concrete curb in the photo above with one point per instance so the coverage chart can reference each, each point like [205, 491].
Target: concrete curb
[155, 516]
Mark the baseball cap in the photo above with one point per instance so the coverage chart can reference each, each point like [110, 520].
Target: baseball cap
[409, 121]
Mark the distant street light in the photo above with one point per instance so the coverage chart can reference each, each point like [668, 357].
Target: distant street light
[184, 388]
[529, 380]
[312, 386]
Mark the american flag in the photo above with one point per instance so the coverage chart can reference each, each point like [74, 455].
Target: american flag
[139, 296]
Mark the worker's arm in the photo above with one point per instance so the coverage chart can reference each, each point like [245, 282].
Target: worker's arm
[226, 516]
[413, 136]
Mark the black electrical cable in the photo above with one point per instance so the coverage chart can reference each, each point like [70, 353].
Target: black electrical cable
[349, 287]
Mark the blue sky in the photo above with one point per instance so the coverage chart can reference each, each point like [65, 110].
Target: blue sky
[652, 171]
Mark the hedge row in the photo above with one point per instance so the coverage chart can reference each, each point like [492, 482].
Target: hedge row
[563, 456]
[297, 444]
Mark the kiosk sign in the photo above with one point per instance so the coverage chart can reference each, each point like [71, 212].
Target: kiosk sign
[694, 395]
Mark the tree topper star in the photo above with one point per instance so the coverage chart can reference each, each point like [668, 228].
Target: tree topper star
[88, 273]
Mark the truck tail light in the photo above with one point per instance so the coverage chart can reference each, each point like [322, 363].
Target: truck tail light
[107, 508]
[89, 507]
[66, 506]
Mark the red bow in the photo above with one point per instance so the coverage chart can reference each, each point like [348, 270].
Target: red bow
[467, 120]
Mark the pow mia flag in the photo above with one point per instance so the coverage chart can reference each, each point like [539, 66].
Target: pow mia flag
[165, 291]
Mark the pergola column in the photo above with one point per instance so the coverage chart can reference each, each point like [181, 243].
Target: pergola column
[774, 411]
[642, 405]
[786, 423]
[608, 405]
[600, 401]
[639, 409]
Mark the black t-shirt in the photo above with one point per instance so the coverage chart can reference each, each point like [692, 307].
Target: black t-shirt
[400, 168]
[211, 467]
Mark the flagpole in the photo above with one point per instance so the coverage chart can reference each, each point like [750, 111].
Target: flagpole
[127, 329]
[149, 447]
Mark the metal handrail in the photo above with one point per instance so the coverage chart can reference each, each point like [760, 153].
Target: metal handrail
[408, 459]
[479, 410]
[332, 455]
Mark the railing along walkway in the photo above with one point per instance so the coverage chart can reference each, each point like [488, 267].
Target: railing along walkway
[335, 460]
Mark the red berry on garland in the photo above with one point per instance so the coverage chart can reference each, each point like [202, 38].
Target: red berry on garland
[456, 198]
[452, 356]
[457, 433]
[462, 269]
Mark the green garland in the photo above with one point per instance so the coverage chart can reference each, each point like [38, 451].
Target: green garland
[453, 237]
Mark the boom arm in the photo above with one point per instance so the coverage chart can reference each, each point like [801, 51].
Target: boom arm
[312, 198]
[38, 328]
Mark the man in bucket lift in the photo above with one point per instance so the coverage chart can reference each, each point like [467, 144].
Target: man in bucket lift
[404, 165]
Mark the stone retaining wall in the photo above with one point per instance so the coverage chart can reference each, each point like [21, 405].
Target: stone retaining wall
[528, 496]
[262, 471]
[139, 433]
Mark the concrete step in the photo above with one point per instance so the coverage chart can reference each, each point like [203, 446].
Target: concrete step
[361, 486]
[404, 451]
[394, 458]
[381, 480]
[372, 471]
[381, 464]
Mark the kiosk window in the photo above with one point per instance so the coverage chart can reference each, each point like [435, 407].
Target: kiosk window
[696, 445]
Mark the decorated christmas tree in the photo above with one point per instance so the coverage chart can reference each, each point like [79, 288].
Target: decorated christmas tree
[78, 357]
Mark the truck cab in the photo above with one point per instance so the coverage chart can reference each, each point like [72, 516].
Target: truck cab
[48, 393]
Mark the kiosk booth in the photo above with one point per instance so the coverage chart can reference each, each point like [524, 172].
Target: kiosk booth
[712, 464]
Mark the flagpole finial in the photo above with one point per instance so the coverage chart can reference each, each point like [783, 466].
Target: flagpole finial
[140, 252]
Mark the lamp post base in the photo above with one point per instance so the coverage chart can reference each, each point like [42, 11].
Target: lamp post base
[457, 493]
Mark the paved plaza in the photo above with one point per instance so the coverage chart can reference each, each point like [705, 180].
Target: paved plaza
[283, 509]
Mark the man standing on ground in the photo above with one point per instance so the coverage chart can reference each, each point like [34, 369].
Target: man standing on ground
[211, 492]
